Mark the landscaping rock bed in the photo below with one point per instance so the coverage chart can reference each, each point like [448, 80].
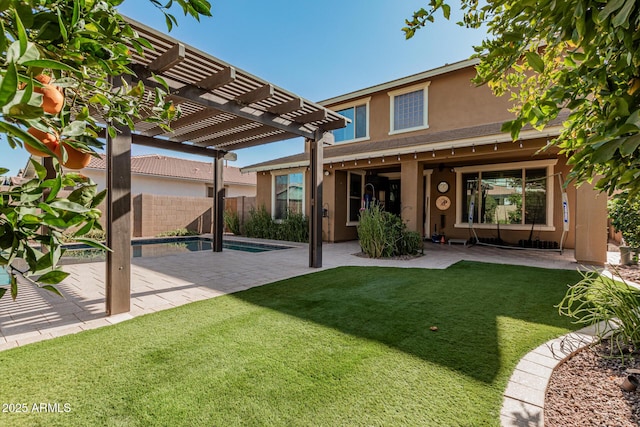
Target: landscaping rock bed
[585, 389]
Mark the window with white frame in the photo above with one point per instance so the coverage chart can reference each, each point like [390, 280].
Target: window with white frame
[409, 108]
[358, 128]
[288, 194]
[514, 195]
[355, 191]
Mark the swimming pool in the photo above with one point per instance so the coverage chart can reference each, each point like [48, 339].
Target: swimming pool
[4, 277]
[171, 246]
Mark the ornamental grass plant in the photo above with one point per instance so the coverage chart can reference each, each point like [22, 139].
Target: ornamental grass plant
[383, 234]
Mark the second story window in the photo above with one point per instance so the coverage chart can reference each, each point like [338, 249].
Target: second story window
[359, 126]
[409, 109]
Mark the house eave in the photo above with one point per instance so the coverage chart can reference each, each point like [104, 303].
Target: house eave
[525, 135]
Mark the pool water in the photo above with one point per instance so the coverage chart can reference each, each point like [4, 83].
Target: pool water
[171, 246]
[4, 277]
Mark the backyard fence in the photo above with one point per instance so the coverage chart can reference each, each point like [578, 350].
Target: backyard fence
[155, 214]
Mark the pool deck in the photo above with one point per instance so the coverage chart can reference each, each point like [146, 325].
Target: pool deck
[160, 283]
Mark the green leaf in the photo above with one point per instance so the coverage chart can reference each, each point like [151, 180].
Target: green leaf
[9, 85]
[630, 145]
[75, 128]
[2, 292]
[611, 7]
[446, 10]
[622, 18]
[68, 206]
[14, 286]
[85, 229]
[49, 63]
[22, 34]
[535, 61]
[98, 198]
[202, 7]
[55, 184]
[63, 27]
[53, 277]
[3, 171]
[41, 172]
[606, 151]
[93, 243]
[76, 13]
[50, 288]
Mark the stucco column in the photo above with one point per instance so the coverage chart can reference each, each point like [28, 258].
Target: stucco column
[591, 225]
[412, 194]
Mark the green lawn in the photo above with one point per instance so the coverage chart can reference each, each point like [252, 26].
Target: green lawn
[348, 346]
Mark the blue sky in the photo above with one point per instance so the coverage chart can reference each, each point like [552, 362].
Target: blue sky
[316, 49]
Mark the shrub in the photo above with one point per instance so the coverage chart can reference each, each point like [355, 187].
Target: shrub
[96, 234]
[411, 243]
[178, 232]
[612, 306]
[624, 211]
[384, 235]
[232, 221]
[294, 228]
[260, 224]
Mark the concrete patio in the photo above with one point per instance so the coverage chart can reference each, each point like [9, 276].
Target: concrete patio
[160, 283]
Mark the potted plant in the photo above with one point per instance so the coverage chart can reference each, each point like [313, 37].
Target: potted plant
[624, 211]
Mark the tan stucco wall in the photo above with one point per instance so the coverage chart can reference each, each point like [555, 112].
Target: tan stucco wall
[591, 225]
[453, 102]
[263, 195]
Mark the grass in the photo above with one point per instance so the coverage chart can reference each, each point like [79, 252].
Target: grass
[348, 346]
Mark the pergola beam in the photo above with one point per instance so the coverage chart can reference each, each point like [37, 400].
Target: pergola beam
[287, 107]
[184, 121]
[211, 130]
[169, 59]
[196, 94]
[259, 141]
[148, 141]
[221, 78]
[256, 95]
[315, 116]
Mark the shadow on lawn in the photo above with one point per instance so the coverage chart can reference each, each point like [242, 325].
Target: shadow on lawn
[397, 307]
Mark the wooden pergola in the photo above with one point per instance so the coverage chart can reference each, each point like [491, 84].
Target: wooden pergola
[223, 109]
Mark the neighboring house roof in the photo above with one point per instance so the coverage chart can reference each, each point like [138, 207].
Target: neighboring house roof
[173, 167]
[456, 138]
[155, 164]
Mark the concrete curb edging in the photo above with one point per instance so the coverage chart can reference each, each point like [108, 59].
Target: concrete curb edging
[523, 403]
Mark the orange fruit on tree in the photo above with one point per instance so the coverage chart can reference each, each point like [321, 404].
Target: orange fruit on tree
[76, 159]
[43, 78]
[51, 140]
[52, 97]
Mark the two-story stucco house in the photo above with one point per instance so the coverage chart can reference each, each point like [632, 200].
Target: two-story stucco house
[429, 148]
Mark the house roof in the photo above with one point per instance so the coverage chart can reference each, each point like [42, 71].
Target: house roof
[173, 167]
[456, 138]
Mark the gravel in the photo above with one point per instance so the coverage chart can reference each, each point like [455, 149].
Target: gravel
[586, 390]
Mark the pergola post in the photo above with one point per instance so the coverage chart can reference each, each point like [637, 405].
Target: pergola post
[315, 150]
[217, 214]
[118, 223]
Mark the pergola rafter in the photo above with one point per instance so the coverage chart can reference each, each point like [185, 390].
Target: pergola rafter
[222, 109]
